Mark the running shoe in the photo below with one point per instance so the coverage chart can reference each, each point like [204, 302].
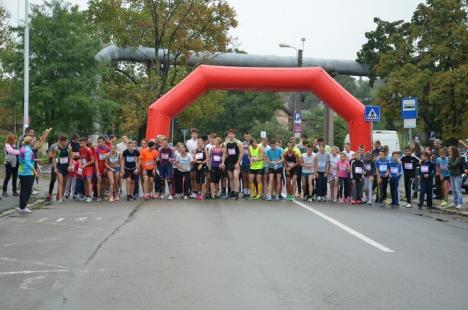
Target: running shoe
[27, 210]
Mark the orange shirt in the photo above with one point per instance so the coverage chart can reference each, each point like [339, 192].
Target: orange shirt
[148, 158]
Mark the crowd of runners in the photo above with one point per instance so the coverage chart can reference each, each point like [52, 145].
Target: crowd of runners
[213, 167]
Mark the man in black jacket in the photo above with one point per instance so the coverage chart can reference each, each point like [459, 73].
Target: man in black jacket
[409, 163]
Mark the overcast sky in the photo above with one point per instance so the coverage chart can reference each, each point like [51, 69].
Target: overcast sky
[332, 28]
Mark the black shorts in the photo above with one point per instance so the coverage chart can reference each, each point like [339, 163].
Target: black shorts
[245, 169]
[292, 172]
[256, 172]
[230, 166]
[150, 173]
[63, 170]
[200, 175]
[129, 174]
[216, 174]
[277, 171]
[447, 179]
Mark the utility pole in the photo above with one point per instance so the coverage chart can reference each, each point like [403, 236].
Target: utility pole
[26, 67]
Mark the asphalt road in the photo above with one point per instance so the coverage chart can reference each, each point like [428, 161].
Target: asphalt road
[232, 255]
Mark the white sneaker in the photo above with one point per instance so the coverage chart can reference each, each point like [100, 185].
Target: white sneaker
[408, 205]
[27, 210]
[193, 195]
[459, 206]
[89, 199]
[19, 210]
[99, 199]
[170, 197]
[185, 197]
[34, 192]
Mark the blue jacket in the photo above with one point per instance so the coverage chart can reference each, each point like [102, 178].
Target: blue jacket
[395, 165]
[26, 161]
[429, 170]
[382, 166]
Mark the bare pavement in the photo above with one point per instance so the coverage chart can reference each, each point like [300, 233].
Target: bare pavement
[232, 255]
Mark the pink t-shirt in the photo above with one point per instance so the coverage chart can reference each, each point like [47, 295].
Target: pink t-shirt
[343, 168]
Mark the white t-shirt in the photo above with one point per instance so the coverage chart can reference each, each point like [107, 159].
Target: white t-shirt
[308, 160]
[121, 147]
[349, 154]
[333, 164]
[184, 163]
[191, 145]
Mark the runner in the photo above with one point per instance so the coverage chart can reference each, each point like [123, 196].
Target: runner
[129, 164]
[200, 158]
[61, 160]
[122, 146]
[148, 157]
[183, 164]
[292, 161]
[215, 160]
[274, 158]
[100, 156]
[344, 169]
[191, 146]
[369, 174]
[395, 174]
[322, 169]
[266, 175]
[86, 168]
[426, 176]
[382, 165]
[70, 189]
[165, 160]
[75, 148]
[256, 169]
[245, 165]
[139, 177]
[113, 173]
[231, 160]
[333, 175]
[357, 172]
[443, 173]
[308, 175]
[410, 164]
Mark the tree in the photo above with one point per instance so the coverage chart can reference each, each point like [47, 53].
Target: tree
[63, 74]
[425, 58]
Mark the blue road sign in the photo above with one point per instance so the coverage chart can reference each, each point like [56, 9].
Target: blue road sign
[372, 113]
[409, 108]
[297, 117]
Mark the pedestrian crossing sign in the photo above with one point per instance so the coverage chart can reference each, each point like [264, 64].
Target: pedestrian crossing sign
[372, 113]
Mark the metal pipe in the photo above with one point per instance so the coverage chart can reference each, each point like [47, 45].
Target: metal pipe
[144, 54]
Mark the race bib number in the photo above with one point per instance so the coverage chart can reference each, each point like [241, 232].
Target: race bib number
[63, 160]
[382, 168]
[83, 161]
[216, 158]
[409, 166]
[394, 170]
[80, 171]
[322, 165]
[444, 166]
[425, 169]
[254, 158]
[130, 159]
[367, 167]
[102, 156]
[199, 156]
[76, 154]
[232, 151]
[342, 168]
[291, 164]
[358, 170]
[149, 163]
[165, 156]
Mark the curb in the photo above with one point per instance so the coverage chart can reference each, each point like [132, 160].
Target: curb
[39, 203]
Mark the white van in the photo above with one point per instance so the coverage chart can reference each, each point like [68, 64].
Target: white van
[386, 137]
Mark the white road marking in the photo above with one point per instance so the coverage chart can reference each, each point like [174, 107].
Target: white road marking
[30, 262]
[98, 219]
[81, 219]
[60, 220]
[26, 283]
[27, 242]
[346, 228]
[42, 220]
[10, 273]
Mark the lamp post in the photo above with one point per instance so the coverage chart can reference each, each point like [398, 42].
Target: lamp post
[26, 68]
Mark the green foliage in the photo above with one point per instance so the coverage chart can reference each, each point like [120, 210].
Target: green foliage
[273, 129]
[424, 58]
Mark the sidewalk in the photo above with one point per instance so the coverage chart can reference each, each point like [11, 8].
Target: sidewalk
[12, 202]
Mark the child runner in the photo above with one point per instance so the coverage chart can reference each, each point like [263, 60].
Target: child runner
[343, 167]
[232, 158]
[61, 160]
[443, 173]
[308, 175]
[265, 147]
[165, 160]
[86, 168]
[245, 165]
[129, 164]
[292, 161]
[100, 157]
[357, 171]
[395, 174]
[148, 157]
[256, 169]
[200, 158]
[70, 189]
[426, 176]
[410, 162]
[382, 166]
[215, 157]
[113, 173]
[333, 175]
[183, 164]
[369, 173]
[322, 168]
[274, 157]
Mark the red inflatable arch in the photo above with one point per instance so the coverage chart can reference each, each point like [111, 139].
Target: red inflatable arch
[315, 80]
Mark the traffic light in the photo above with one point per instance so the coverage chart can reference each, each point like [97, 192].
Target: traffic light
[299, 58]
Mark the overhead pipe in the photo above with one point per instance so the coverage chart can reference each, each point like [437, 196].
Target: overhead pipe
[145, 54]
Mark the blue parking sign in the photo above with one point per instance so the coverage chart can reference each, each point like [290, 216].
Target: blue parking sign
[372, 113]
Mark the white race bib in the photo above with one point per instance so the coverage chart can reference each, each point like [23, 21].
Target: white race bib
[150, 163]
[367, 167]
[358, 170]
[83, 161]
[232, 151]
[216, 158]
[199, 156]
[425, 169]
[130, 159]
[80, 171]
[409, 166]
[165, 155]
[383, 168]
[394, 170]
[63, 160]
[254, 158]
[290, 164]
[102, 156]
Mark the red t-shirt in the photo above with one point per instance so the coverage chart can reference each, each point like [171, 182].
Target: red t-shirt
[100, 155]
[86, 156]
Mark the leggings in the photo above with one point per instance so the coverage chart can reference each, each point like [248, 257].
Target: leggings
[27, 182]
[344, 187]
[357, 189]
[53, 178]
[368, 184]
[321, 185]
[10, 172]
[182, 182]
